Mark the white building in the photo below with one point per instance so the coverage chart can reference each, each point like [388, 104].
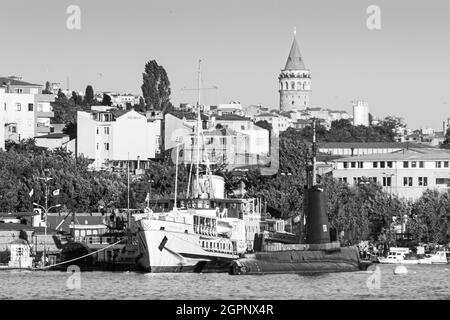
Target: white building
[239, 138]
[24, 111]
[279, 122]
[361, 113]
[121, 100]
[112, 137]
[406, 173]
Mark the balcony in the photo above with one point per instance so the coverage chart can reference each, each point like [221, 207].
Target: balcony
[42, 129]
[44, 98]
[45, 114]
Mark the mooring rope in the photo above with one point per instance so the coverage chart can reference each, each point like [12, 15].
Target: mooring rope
[86, 255]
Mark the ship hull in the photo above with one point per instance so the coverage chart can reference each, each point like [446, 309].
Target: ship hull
[162, 251]
[344, 259]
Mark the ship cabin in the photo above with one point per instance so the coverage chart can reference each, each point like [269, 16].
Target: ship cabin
[224, 208]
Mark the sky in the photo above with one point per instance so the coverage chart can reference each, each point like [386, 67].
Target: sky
[403, 69]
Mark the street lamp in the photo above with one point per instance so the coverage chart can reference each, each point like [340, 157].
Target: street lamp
[46, 209]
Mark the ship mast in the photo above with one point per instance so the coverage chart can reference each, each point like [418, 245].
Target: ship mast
[198, 130]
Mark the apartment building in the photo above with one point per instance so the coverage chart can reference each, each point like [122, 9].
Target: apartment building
[406, 173]
[24, 111]
[232, 137]
[114, 138]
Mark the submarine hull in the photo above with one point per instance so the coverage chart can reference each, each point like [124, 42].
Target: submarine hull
[345, 259]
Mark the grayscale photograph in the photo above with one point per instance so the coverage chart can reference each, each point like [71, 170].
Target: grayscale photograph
[238, 151]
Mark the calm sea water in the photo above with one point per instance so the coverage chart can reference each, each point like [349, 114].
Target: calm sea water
[421, 282]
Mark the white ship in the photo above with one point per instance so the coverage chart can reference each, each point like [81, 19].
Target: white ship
[203, 235]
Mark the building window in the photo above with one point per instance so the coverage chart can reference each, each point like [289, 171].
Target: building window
[5, 106]
[407, 181]
[445, 164]
[405, 164]
[40, 107]
[293, 85]
[423, 181]
[106, 146]
[344, 179]
[413, 164]
[360, 164]
[97, 130]
[30, 107]
[445, 181]
[375, 164]
[97, 145]
[420, 164]
[345, 165]
[18, 107]
[382, 164]
[389, 164]
[438, 164]
[18, 90]
[106, 130]
[387, 181]
[353, 164]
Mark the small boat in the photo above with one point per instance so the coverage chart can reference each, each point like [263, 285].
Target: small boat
[393, 258]
[440, 257]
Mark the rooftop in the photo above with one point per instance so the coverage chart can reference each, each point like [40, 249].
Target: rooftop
[187, 115]
[232, 117]
[294, 60]
[432, 154]
[52, 136]
[369, 145]
[14, 82]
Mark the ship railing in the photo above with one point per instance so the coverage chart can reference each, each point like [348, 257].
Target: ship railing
[214, 246]
[100, 239]
[205, 230]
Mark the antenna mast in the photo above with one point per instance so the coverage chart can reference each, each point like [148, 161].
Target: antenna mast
[314, 149]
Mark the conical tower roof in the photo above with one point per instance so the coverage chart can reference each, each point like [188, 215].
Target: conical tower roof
[294, 61]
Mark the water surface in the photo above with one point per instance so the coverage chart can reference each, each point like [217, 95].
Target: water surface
[421, 282]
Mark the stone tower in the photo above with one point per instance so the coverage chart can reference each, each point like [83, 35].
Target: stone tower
[295, 82]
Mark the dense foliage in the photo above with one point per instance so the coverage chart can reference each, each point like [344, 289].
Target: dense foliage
[156, 87]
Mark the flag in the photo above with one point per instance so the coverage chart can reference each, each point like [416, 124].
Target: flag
[56, 192]
[31, 193]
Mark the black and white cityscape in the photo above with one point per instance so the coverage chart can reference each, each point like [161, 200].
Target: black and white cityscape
[239, 150]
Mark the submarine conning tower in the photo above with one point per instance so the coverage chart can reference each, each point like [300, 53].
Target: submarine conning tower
[314, 200]
[317, 226]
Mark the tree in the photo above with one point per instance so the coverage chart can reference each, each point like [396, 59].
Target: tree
[156, 87]
[264, 124]
[89, 95]
[61, 95]
[446, 143]
[106, 100]
[48, 89]
[76, 99]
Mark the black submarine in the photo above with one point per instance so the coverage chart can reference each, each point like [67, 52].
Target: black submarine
[320, 252]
